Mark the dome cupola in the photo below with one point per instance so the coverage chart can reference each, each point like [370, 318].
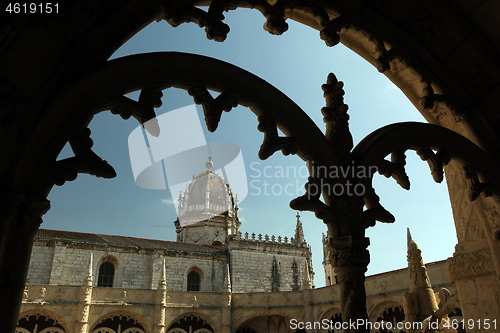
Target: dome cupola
[207, 201]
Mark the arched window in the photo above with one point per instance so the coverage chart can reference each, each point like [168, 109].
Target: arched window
[39, 323]
[193, 281]
[106, 275]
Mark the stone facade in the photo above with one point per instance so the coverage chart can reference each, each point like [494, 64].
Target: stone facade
[62, 258]
[222, 310]
[84, 283]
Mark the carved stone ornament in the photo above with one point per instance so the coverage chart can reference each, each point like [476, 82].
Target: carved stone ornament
[84, 161]
[273, 142]
[142, 110]
[213, 107]
[470, 265]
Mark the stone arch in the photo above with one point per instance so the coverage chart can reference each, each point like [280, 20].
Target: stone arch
[245, 316]
[330, 312]
[47, 318]
[128, 320]
[198, 322]
[193, 272]
[265, 323]
[388, 311]
[334, 315]
[406, 34]
[406, 73]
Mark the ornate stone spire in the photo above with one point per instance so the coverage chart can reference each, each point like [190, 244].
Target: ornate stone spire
[299, 232]
[419, 280]
[89, 277]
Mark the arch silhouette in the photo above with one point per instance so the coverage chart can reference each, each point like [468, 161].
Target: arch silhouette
[440, 89]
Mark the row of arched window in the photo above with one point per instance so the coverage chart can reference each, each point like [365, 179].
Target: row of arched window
[114, 323]
[106, 276]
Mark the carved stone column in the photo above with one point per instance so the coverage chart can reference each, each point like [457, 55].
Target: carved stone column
[475, 264]
[20, 216]
[477, 287]
[350, 259]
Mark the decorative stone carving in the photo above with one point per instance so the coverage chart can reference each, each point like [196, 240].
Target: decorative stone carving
[416, 266]
[470, 265]
[42, 292]
[336, 118]
[213, 107]
[176, 14]
[142, 110]
[84, 161]
[273, 142]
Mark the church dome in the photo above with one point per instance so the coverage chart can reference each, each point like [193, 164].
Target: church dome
[206, 196]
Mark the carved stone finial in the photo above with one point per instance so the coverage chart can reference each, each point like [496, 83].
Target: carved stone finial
[408, 237]
[209, 163]
[416, 266]
[420, 283]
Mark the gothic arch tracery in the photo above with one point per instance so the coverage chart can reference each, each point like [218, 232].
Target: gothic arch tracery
[387, 311]
[45, 322]
[123, 322]
[191, 322]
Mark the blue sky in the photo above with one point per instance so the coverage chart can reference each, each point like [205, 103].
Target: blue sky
[297, 63]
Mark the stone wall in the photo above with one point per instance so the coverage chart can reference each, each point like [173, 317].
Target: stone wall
[384, 291]
[67, 265]
[252, 266]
